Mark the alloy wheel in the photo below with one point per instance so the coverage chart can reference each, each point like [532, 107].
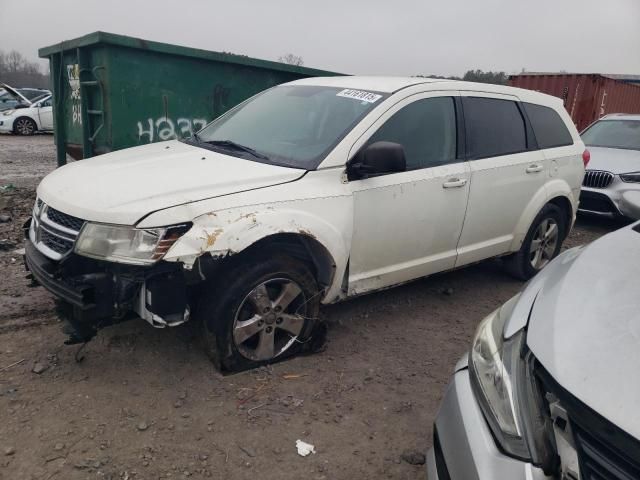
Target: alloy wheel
[24, 126]
[544, 243]
[269, 319]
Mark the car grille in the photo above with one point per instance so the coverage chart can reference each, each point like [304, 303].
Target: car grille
[601, 461]
[53, 232]
[55, 242]
[597, 179]
[65, 220]
[604, 450]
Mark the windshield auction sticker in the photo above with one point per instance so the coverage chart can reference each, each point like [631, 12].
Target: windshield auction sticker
[359, 95]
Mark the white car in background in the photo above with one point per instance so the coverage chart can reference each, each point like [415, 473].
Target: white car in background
[36, 117]
[18, 97]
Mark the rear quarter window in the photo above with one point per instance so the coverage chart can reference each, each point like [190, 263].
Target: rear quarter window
[494, 127]
[548, 127]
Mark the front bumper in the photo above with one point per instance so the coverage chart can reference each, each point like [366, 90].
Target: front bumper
[95, 294]
[87, 292]
[464, 448]
[620, 199]
[6, 124]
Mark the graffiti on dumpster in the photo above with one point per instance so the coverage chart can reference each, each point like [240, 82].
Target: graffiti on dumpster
[73, 74]
[153, 130]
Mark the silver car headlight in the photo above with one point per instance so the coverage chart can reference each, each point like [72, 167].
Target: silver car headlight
[495, 365]
[633, 177]
[136, 246]
[8, 112]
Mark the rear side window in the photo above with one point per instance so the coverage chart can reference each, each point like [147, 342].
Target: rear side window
[494, 127]
[548, 127]
[426, 129]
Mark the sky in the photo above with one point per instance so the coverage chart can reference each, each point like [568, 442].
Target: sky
[392, 37]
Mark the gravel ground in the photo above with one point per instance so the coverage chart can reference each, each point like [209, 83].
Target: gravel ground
[146, 403]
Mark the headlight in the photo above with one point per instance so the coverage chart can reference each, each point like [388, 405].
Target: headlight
[8, 112]
[633, 177]
[495, 367]
[126, 244]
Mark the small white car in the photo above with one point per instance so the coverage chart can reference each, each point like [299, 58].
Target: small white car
[36, 117]
[310, 192]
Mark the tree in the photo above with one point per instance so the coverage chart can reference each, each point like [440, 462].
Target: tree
[498, 78]
[17, 71]
[291, 59]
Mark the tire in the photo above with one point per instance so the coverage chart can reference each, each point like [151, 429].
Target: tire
[264, 310]
[24, 126]
[541, 245]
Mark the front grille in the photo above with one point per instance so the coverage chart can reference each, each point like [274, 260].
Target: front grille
[68, 221]
[600, 461]
[596, 202]
[604, 450]
[54, 232]
[597, 179]
[58, 244]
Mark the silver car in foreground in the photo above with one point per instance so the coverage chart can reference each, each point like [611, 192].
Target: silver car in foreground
[551, 387]
[611, 185]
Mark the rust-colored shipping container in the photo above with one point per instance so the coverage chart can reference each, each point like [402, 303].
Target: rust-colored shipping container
[586, 97]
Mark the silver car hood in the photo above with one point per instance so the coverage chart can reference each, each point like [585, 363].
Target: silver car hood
[614, 160]
[584, 325]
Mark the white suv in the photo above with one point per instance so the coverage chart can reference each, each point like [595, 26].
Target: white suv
[310, 192]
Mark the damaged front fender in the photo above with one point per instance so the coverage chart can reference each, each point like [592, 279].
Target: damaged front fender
[229, 232]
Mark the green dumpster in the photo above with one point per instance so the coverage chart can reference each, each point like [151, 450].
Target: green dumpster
[112, 92]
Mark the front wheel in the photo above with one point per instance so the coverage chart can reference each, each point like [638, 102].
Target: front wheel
[265, 311]
[541, 245]
[25, 126]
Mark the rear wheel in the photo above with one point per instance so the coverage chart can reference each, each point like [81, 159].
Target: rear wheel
[25, 126]
[541, 245]
[265, 312]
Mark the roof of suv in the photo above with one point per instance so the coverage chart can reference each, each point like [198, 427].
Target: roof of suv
[393, 84]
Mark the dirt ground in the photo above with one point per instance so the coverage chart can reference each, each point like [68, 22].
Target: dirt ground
[146, 403]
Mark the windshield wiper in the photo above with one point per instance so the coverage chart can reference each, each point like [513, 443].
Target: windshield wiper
[229, 144]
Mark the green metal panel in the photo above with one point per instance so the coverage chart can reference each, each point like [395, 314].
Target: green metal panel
[113, 92]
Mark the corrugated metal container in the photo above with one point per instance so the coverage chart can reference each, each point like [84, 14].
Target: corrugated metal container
[112, 92]
[586, 97]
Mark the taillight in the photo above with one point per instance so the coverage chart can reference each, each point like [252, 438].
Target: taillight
[586, 156]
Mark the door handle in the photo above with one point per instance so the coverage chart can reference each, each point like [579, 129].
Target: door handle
[454, 183]
[534, 168]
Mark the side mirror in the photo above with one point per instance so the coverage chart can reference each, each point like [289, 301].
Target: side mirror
[377, 159]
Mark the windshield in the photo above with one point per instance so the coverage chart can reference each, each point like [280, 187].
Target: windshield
[37, 99]
[292, 125]
[32, 94]
[613, 134]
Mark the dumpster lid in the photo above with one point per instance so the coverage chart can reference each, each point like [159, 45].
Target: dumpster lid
[103, 38]
[15, 94]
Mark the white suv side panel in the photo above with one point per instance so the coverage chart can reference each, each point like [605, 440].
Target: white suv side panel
[504, 184]
[407, 224]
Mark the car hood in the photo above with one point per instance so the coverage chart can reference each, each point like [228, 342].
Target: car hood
[124, 186]
[614, 160]
[584, 326]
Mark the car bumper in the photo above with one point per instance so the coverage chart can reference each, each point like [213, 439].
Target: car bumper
[6, 125]
[96, 294]
[620, 200]
[464, 447]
